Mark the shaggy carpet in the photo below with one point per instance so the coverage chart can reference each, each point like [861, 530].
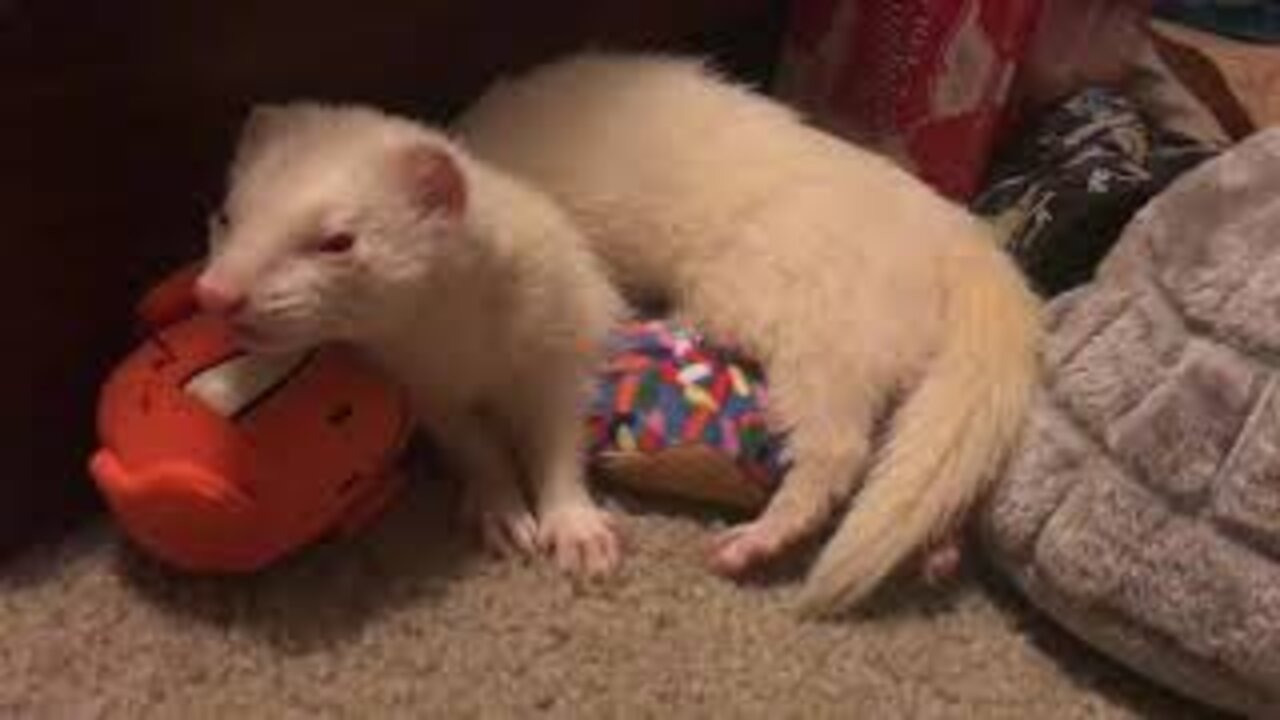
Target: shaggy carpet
[408, 621]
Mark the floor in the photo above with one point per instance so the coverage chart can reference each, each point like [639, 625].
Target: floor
[408, 621]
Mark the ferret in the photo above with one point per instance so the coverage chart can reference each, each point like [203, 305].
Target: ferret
[475, 292]
[861, 291]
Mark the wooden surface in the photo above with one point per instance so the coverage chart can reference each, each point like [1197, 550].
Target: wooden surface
[1240, 81]
[118, 117]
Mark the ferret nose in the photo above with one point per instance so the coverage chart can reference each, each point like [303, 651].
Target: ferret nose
[219, 300]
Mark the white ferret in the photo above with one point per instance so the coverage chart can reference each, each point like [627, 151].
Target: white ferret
[855, 284]
[343, 224]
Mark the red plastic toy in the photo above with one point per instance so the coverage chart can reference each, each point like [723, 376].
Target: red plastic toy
[214, 460]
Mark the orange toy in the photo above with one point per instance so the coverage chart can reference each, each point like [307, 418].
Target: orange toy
[216, 460]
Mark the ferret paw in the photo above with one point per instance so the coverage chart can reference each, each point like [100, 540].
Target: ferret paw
[503, 521]
[581, 539]
[942, 563]
[743, 547]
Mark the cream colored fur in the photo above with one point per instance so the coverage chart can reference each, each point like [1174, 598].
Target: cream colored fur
[491, 311]
[848, 278]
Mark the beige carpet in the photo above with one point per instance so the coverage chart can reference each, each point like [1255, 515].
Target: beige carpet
[405, 623]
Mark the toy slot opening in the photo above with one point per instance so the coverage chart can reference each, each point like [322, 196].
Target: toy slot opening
[236, 385]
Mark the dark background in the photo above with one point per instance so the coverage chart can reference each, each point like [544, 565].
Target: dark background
[118, 119]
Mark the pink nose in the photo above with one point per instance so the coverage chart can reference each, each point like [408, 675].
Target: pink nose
[216, 299]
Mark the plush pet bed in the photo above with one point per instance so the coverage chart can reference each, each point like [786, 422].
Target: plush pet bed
[1143, 510]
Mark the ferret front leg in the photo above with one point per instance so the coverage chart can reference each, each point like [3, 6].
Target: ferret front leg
[573, 530]
[492, 501]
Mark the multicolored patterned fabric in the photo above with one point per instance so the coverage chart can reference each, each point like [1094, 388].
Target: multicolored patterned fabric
[665, 386]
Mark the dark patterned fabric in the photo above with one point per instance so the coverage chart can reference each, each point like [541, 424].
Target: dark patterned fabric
[1061, 191]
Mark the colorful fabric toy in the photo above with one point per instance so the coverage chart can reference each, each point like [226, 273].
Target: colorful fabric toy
[678, 415]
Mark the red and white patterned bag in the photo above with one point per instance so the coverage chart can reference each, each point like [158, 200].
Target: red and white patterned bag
[926, 81]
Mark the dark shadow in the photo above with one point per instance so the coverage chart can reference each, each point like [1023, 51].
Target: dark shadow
[1088, 668]
[326, 594]
[44, 561]
[904, 594]
[908, 595]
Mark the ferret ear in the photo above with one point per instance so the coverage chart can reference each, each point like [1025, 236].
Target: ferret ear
[263, 122]
[434, 178]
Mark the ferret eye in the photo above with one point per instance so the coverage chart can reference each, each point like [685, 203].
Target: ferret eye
[217, 227]
[336, 243]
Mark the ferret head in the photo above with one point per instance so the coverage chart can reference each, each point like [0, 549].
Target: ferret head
[331, 212]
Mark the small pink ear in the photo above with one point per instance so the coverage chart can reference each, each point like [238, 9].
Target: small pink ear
[263, 123]
[436, 180]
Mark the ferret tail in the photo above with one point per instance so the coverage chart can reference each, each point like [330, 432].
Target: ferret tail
[948, 439]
